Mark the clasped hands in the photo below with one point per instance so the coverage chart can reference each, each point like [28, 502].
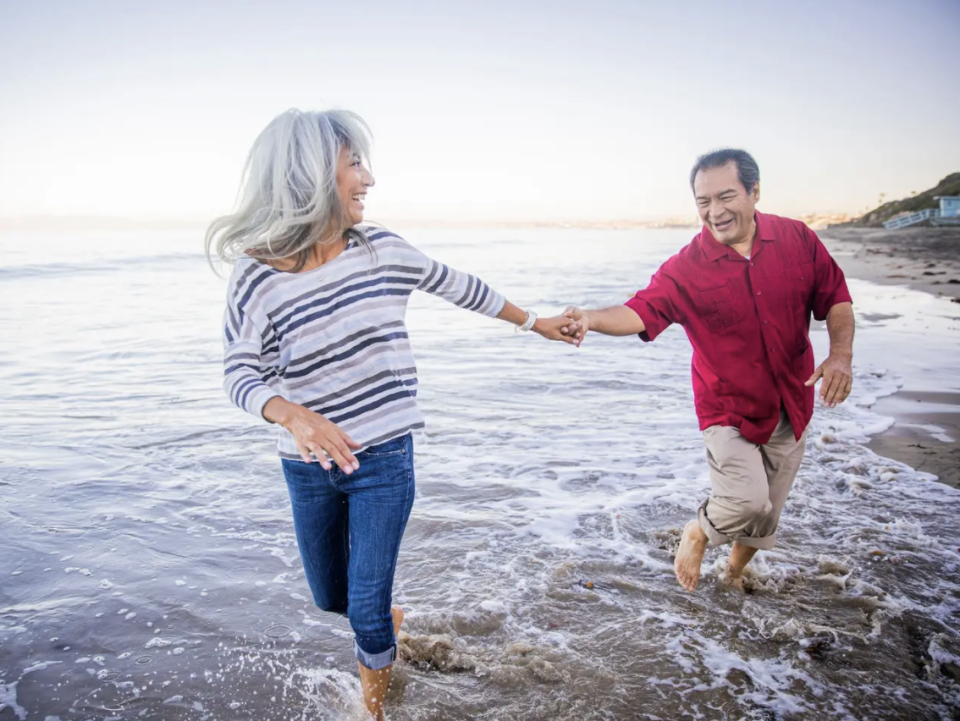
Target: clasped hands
[570, 327]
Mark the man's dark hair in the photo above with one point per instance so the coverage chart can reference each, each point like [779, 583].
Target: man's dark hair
[747, 169]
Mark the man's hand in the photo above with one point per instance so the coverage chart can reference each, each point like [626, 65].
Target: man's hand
[837, 377]
[579, 326]
[552, 329]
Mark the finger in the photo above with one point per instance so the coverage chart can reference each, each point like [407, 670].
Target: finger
[570, 311]
[341, 454]
[347, 439]
[338, 457]
[816, 375]
[847, 387]
[837, 389]
[825, 386]
[829, 388]
[321, 457]
[304, 453]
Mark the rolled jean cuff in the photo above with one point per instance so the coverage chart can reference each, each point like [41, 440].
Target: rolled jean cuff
[375, 661]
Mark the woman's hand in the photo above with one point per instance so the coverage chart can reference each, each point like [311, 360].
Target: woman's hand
[314, 434]
[578, 323]
[553, 329]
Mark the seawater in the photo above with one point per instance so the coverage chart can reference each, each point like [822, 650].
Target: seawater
[149, 568]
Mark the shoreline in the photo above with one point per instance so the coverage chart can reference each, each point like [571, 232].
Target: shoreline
[928, 260]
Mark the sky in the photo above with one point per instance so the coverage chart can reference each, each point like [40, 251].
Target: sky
[481, 111]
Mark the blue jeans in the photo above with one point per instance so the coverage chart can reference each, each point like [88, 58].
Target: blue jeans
[349, 530]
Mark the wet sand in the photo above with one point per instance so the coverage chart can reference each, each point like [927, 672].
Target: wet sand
[926, 435]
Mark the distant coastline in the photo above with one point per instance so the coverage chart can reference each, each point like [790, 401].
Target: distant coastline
[814, 220]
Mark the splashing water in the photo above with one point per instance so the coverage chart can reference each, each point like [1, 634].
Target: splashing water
[150, 568]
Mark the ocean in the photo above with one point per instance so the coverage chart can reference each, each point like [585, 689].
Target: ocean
[149, 568]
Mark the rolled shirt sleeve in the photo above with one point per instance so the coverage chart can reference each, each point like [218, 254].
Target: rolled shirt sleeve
[831, 285]
[656, 305]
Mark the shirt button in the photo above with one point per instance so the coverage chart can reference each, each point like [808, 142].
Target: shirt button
[751, 265]
[765, 322]
[758, 292]
[772, 350]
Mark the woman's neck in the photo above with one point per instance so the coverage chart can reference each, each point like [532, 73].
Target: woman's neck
[320, 253]
[323, 251]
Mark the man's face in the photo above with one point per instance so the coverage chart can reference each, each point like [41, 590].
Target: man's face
[725, 206]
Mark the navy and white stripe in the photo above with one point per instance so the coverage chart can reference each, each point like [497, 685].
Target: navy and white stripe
[333, 339]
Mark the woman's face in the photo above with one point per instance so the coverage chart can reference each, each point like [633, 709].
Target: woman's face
[353, 179]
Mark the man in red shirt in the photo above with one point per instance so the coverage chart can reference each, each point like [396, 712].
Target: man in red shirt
[743, 290]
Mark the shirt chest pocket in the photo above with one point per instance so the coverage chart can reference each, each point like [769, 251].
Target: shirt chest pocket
[798, 282]
[722, 308]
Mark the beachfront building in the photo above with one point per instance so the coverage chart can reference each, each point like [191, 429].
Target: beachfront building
[949, 206]
[947, 214]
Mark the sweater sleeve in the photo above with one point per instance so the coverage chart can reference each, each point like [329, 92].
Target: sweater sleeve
[461, 289]
[247, 335]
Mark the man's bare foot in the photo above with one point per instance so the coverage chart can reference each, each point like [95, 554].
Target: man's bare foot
[693, 544]
[740, 556]
[397, 614]
[733, 580]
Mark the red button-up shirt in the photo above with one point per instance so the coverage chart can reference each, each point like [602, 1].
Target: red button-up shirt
[748, 320]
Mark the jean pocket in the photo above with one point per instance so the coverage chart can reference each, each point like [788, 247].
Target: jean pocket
[393, 447]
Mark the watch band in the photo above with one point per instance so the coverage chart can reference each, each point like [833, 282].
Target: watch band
[528, 323]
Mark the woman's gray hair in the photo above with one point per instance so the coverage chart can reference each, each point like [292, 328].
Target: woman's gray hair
[288, 197]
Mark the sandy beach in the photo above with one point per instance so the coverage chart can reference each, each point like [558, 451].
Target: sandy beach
[925, 259]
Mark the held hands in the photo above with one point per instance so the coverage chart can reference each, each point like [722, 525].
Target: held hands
[837, 377]
[577, 324]
[554, 329]
[315, 434]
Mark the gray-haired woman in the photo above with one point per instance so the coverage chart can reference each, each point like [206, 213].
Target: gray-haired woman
[315, 341]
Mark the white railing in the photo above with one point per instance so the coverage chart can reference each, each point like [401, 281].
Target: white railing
[903, 221]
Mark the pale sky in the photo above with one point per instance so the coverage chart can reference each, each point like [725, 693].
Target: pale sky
[518, 110]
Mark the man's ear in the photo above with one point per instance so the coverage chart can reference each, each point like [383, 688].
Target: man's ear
[756, 193]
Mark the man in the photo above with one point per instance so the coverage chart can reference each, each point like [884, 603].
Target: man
[743, 290]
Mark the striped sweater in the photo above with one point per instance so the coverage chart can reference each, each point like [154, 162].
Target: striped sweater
[333, 339]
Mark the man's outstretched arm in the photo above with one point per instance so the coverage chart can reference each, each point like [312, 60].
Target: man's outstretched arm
[614, 320]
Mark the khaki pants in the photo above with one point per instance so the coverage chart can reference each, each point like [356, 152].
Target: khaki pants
[749, 484]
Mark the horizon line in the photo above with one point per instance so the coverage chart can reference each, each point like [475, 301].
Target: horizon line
[105, 222]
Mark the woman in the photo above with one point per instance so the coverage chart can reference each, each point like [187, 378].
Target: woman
[315, 342]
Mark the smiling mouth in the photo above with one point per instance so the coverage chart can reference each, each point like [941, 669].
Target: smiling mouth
[359, 198]
[724, 225]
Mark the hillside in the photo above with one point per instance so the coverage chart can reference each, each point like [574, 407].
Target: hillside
[948, 186]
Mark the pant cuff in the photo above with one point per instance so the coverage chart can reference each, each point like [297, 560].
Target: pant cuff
[761, 544]
[714, 537]
[375, 661]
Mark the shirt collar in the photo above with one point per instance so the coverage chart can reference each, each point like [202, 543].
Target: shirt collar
[713, 249]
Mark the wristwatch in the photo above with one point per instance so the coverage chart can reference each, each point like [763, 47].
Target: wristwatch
[528, 323]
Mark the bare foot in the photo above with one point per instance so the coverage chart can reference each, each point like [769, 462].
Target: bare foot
[733, 580]
[376, 683]
[693, 544]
